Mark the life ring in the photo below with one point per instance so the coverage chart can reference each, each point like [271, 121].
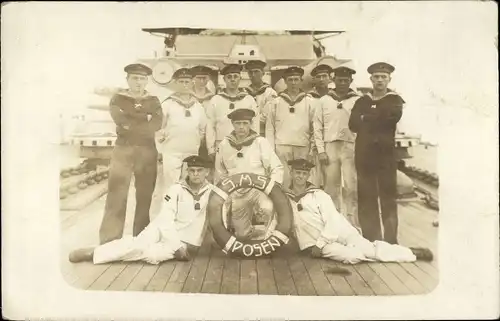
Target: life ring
[248, 249]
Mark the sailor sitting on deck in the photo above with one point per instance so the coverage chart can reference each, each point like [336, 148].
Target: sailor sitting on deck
[320, 228]
[179, 228]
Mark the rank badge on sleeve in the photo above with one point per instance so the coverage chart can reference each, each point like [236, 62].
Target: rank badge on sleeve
[167, 198]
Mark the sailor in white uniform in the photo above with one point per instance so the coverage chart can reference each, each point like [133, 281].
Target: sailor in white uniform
[320, 228]
[225, 101]
[245, 151]
[289, 127]
[183, 128]
[178, 230]
[262, 93]
[335, 143]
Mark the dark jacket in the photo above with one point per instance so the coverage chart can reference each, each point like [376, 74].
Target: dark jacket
[374, 122]
[131, 118]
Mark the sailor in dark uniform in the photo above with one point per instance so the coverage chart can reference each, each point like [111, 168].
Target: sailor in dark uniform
[374, 118]
[137, 115]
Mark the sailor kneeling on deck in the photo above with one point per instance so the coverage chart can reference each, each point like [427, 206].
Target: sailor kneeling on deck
[322, 230]
[178, 229]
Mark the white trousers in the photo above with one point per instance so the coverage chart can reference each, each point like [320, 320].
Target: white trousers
[173, 169]
[356, 248]
[147, 246]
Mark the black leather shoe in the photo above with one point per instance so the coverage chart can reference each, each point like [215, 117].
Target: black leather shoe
[423, 254]
[81, 255]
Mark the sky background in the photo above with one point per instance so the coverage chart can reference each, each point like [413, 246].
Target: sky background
[444, 53]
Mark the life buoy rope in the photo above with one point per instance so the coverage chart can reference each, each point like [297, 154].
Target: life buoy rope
[228, 242]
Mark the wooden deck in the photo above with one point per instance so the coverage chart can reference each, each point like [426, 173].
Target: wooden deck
[288, 273]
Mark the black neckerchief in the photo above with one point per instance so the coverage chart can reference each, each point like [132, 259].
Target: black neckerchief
[205, 97]
[196, 196]
[239, 96]
[389, 92]
[289, 100]
[247, 141]
[309, 189]
[186, 104]
[332, 93]
[314, 93]
[126, 93]
[257, 91]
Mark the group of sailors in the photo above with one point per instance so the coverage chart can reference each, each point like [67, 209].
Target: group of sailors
[330, 149]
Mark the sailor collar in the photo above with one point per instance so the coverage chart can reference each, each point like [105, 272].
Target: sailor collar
[310, 188]
[388, 93]
[333, 93]
[286, 97]
[239, 96]
[315, 94]
[238, 145]
[252, 91]
[127, 93]
[201, 98]
[186, 104]
[196, 196]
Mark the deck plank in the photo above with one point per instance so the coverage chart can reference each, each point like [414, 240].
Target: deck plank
[213, 278]
[141, 280]
[161, 277]
[248, 277]
[358, 285]
[421, 223]
[321, 281]
[420, 229]
[89, 275]
[423, 278]
[178, 277]
[105, 279]
[126, 276]
[286, 273]
[427, 215]
[337, 281]
[389, 278]
[231, 276]
[303, 282]
[411, 235]
[283, 276]
[405, 277]
[373, 280]
[265, 277]
[194, 280]
[428, 268]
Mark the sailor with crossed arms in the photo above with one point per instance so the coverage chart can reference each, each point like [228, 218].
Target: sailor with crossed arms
[320, 229]
[262, 93]
[183, 128]
[245, 151]
[138, 116]
[177, 231]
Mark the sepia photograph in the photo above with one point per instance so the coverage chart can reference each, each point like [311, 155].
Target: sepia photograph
[245, 161]
[291, 160]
